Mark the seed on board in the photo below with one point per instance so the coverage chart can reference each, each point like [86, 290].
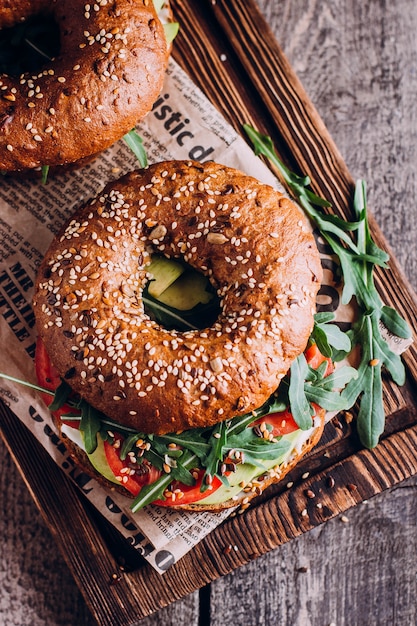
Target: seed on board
[348, 417]
[330, 481]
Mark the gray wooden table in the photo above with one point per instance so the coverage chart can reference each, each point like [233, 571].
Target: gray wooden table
[358, 63]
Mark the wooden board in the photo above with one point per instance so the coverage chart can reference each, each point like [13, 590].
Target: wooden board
[253, 84]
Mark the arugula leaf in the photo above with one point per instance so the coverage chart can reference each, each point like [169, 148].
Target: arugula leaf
[216, 454]
[256, 449]
[61, 395]
[300, 407]
[323, 394]
[338, 379]
[395, 323]
[357, 260]
[128, 445]
[45, 172]
[367, 385]
[328, 336]
[189, 439]
[135, 143]
[182, 474]
[90, 425]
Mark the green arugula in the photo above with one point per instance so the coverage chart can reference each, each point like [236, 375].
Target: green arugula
[300, 406]
[358, 256]
[218, 440]
[133, 140]
[328, 336]
[45, 172]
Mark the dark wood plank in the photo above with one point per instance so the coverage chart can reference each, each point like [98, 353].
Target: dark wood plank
[356, 61]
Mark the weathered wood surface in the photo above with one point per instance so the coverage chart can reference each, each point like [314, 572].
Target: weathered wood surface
[358, 65]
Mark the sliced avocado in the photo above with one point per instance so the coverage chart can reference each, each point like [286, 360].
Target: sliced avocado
[187, 291]
[164, 272]
[171, 31]
[246, 473]
[99, 461]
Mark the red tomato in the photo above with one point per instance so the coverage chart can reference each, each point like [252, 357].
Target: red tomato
[282, 423]
[315, 358]
[133, 482]
[188, 494]
[49, 378]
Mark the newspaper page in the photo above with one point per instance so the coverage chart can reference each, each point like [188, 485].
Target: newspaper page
[183, 124]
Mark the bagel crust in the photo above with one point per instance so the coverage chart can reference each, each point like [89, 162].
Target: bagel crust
[252, 242]
[109, 72]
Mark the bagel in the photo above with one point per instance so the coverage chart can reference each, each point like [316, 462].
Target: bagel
[252, 242]
[106, 77]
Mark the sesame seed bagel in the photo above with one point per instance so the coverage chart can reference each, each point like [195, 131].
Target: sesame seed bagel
[109, 71]
[251, 241]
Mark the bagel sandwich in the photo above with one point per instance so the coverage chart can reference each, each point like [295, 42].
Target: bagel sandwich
[150, 395]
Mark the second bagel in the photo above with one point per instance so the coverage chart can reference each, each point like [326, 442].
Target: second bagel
[106, 77]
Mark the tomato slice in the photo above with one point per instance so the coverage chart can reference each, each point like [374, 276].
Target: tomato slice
[188, 494]
[282, 423]
[49, 378]
[315, 358]
[132, 476]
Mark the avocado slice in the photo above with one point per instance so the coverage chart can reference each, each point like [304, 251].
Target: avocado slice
[98, 460]
[164, 272]
[187, 291]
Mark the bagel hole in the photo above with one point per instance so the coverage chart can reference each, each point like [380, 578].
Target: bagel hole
[179, 297]
[29, 45]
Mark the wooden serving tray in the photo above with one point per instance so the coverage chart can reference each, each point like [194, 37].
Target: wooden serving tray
[227, 49]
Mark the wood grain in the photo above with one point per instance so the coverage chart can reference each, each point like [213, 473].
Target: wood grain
[356, 64]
